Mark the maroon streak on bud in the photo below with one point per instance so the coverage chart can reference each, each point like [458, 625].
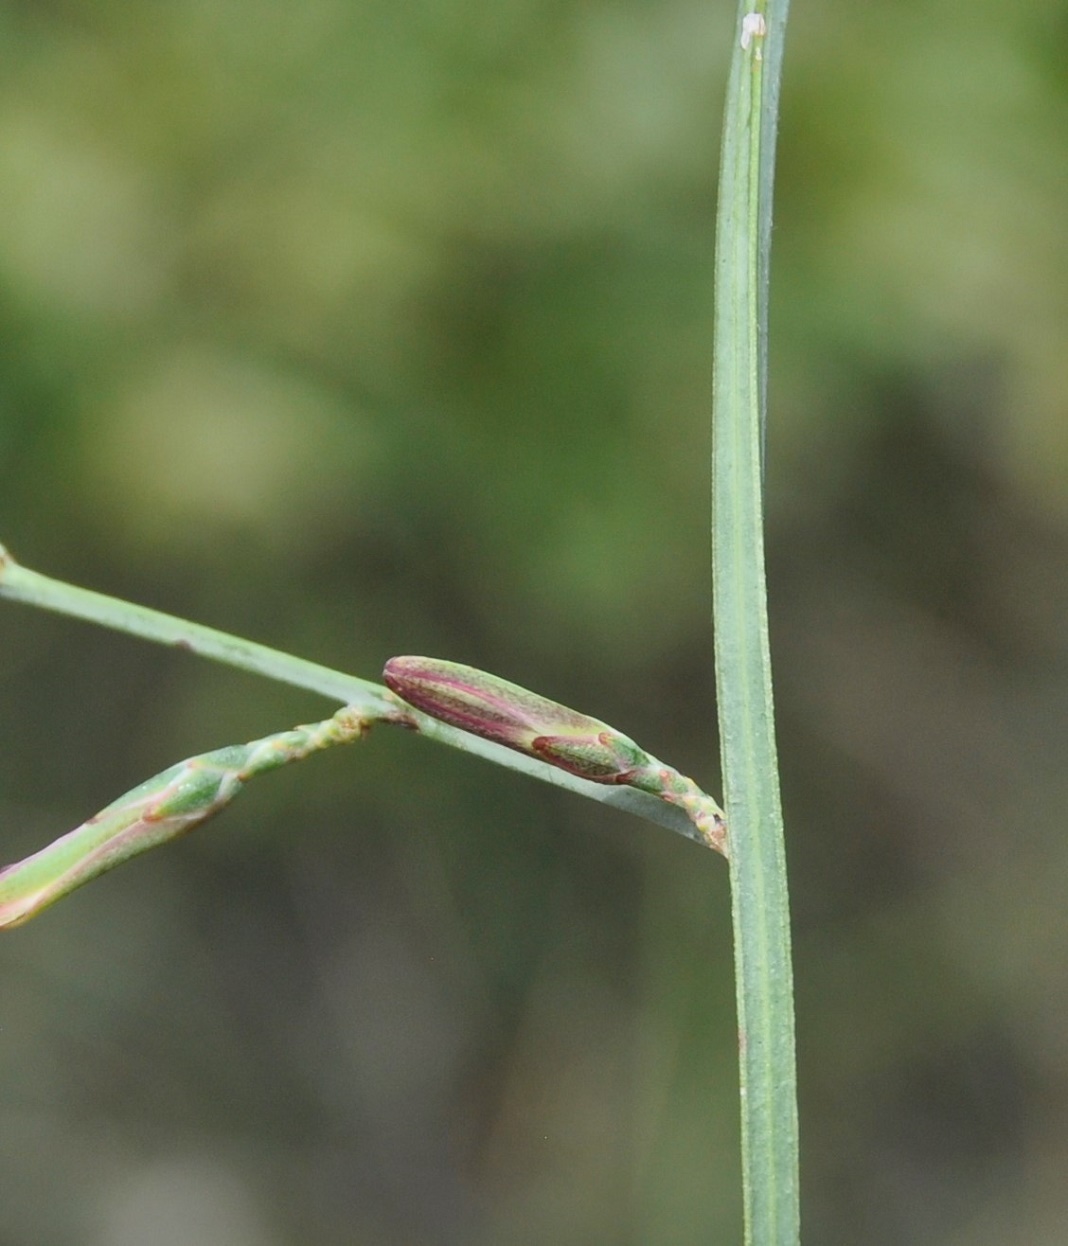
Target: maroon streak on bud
[497, 710]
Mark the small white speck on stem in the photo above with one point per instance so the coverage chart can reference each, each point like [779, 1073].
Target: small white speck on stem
[753, 27]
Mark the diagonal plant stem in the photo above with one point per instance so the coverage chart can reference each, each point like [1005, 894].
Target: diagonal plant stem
[763, 973]
[158, 810]
[18, 583]
[681, 806]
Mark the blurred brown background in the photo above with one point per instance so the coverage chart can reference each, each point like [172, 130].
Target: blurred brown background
[361, 329]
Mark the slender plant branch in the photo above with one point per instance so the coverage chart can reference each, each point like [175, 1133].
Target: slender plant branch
[18, 583]
[159, 810]
[680, 806]
[763, 973]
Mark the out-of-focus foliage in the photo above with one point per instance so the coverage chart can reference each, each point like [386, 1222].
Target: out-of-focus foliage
[366, 329]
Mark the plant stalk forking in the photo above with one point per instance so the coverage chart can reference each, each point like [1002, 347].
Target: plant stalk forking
[456, 704]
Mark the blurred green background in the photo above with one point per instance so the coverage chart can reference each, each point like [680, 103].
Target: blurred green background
[363, 329]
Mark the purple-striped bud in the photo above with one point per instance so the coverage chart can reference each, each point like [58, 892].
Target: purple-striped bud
[497, 710]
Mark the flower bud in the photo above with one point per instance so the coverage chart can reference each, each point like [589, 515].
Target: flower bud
[497, 710]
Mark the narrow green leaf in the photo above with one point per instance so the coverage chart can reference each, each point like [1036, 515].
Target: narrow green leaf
[743, 668]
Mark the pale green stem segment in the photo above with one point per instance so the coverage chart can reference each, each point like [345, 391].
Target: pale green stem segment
[763, 973]
[18, 583]
[528, 723]
[160, 809]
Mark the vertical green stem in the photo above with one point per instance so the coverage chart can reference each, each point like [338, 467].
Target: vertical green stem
[743, 668]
